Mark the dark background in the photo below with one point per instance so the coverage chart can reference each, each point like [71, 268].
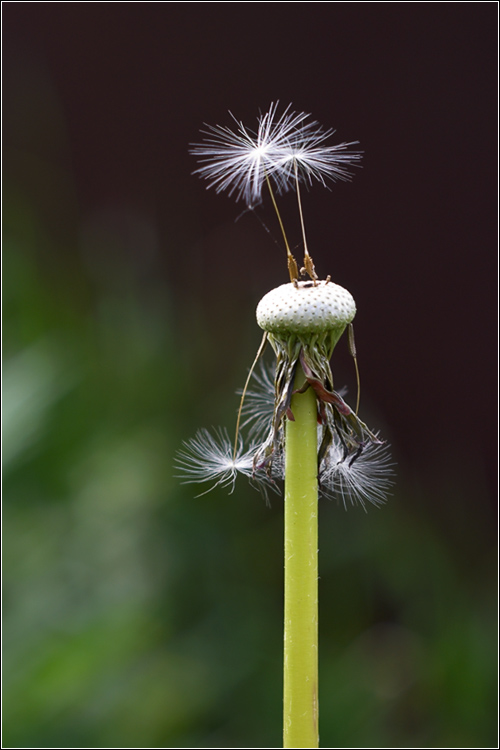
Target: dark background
[136, 615]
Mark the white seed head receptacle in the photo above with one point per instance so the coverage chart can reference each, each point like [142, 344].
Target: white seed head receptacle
[306, 308]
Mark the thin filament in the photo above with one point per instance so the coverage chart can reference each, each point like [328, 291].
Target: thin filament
[358, 384]
[306, 251]
[257, 357]
[291, 260]
[352, 350]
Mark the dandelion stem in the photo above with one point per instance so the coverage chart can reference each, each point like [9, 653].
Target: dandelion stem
[300, 698]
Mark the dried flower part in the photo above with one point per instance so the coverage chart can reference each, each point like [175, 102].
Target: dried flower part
[359, 476]
[309, 316]
[304, 322]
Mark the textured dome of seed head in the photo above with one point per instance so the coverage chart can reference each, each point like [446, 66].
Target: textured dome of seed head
[306, 308]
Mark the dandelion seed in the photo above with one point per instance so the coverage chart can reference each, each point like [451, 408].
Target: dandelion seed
[367, 478]
[211, 458]
[241, 159]
[308, 157]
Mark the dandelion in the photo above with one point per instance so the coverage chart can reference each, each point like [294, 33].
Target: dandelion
[300, 429]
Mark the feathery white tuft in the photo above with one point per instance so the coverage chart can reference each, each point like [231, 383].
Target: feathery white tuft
[365, 479]
[211, 458]
[239, 160]
[306, 153]
[362, 479]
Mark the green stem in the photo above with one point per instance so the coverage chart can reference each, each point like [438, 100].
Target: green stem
[300, 697]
